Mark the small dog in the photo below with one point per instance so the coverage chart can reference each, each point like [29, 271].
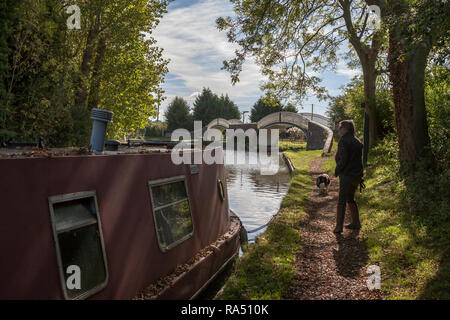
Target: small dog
[323, 182]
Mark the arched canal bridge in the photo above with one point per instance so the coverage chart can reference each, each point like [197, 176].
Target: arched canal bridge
[318, 136]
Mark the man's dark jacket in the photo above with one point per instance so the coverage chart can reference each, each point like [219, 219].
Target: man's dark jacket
[349, 156]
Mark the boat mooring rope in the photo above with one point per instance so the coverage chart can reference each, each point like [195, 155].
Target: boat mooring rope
[261, 227]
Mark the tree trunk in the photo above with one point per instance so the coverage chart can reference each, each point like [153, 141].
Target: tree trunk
[93, 100]
[370, 79]
[80, 113]
[407, 78]
[85, 70]
[367, 57]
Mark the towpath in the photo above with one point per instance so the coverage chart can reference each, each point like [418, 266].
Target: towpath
[329, 266]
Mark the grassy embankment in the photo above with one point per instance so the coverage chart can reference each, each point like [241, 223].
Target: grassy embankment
[406, 234]
[265, 271]
[405, 225]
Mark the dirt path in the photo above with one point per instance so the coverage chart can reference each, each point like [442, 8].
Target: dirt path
[329, 266]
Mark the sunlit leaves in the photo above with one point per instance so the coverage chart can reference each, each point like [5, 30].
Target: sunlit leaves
[290, 40]
[111, 62]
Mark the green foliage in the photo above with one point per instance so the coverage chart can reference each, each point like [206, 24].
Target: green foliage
[133, 67]
[348, 106]
[291, 146]
[208, 106]
[290, 108]
[54, 76]
[288, 39]
[263, 107]
[39, 90]
[293, 133]
[437, 99]
[406, 225]
[205, 106]
[228, 109]
[155, 129]
[418, 22]
[8, 15]
[178, 115]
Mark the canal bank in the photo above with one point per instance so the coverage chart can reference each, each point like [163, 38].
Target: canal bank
[299, 256]
[266, 270]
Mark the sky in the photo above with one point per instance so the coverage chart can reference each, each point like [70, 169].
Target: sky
[197, 49]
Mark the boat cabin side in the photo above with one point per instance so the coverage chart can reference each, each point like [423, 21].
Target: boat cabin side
[104, 226]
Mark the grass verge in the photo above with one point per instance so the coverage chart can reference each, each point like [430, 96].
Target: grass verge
[411, 247]
[265, 271]
[292, 146]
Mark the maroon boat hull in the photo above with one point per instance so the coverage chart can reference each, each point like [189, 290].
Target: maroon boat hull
[28, 260]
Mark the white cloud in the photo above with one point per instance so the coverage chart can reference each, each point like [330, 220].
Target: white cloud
[343, 69]
[196, 49]
[350, 73]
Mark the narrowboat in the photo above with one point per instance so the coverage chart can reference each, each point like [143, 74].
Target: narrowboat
[125, 224]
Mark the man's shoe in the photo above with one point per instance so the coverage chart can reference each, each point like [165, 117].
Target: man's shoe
[340, 215]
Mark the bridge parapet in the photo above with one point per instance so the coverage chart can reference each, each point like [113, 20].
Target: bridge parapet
[284, 117]
[219, 123]
[317, 118]
[235, 121]
[318, 135]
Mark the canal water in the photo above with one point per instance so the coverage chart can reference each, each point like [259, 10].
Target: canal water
[254, 197]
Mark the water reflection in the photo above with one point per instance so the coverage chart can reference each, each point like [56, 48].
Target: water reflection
[254, 197]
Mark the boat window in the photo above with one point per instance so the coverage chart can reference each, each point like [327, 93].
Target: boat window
[171, 211]
[79, 244]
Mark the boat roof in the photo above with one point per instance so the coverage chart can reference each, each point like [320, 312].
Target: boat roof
[34, 152]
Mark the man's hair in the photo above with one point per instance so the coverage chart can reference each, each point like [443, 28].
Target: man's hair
[349, 125]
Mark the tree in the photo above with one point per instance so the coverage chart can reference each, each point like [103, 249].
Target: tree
[121, 69]
[155, 129]
[8, 15]
[290, 108]
[178, 115]
[415, 28]
[347, 106]
[437, 101]
[263, 108]
[336, 109]
[55, 76]
[205, 106]
[227, 108]
[38, 77]
[288, 37]
[208, 106]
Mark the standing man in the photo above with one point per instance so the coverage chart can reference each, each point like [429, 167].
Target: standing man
[349, 169]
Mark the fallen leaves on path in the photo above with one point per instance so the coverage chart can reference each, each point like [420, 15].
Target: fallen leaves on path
[329, 266]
